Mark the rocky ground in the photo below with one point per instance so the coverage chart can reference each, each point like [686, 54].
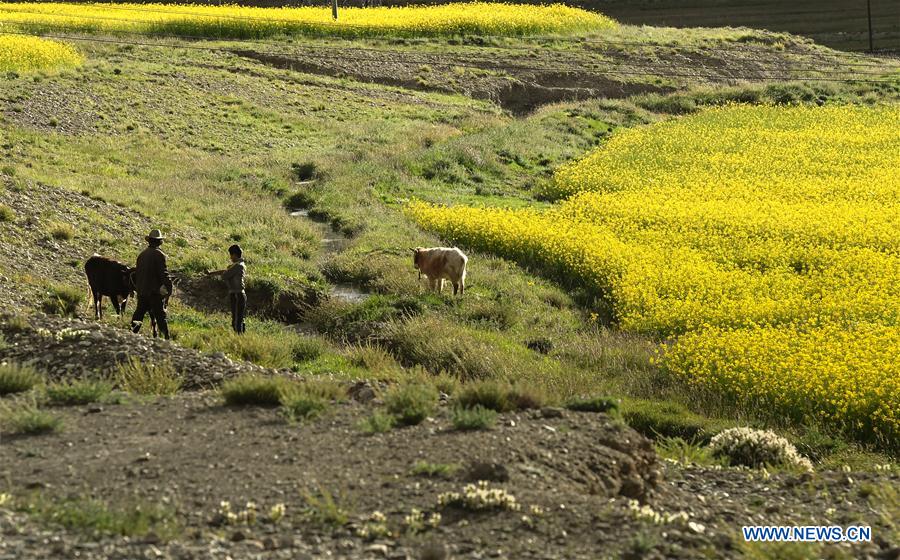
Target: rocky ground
[579, 479]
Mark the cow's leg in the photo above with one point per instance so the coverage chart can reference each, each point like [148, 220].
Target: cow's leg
[441, 286]
[455, 288]
[98, 306]
[431, 285]
[117, 305]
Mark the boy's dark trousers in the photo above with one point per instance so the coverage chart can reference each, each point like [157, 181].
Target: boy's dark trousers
[155, 306]
[238, 311]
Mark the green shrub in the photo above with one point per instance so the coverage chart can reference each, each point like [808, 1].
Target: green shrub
[411, 403]
[78, 392]
[372, 357]
[487, 394]
[307, 349]
[378, 423]
[475, 418]
[62, 300]
[685, 452]
[322, 508]
[16, 378]
[593, 404]
[299, 405]
[310, 398]
[30, 420]
[17, 323]
[253, 390]
[433, 470]
[61, 231]
[93, 517]
[6, 214]
[142, 378]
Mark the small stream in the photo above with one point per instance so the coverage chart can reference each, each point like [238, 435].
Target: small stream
[333, 242]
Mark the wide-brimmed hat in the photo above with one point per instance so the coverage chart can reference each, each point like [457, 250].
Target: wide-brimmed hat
[155, 235]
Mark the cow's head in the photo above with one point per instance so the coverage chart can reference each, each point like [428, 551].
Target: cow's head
[417, 253]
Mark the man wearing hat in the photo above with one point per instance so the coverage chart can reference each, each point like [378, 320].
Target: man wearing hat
[152, 284]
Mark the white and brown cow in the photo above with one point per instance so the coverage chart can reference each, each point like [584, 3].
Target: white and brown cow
[440, 263]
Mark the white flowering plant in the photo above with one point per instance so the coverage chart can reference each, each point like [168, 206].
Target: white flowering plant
[757, 448]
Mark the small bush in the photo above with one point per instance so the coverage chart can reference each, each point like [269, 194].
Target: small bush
[310, 398]
[61, 231]
[594, 404]
[433, 470]
[78, 392]
[6, 214]
[62, 300]
[15, 378]
[93, 517]
[253, 390]
[378, 423]
[488, 394]
[30, 420]
[142, 378]
[299, 405]
[685, 452]
[305, 171]
[324, 509]
[17, 324]
[411, 403]
[475, 418]
[372, 357]
[307, 349]
[757, 448]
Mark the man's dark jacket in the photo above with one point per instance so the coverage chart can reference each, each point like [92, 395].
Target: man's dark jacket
[151, 272]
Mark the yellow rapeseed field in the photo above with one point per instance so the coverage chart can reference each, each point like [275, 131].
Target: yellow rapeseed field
[23, 54]
[249, 22]
[765, 240]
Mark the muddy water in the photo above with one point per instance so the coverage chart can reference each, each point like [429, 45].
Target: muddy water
[333, 242]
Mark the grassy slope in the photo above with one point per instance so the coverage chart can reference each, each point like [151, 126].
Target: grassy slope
[206, 144]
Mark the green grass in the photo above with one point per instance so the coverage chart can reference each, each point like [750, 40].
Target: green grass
[434, 470]
[219, 162]
[93, 517]
[149, 379]
[61, 231]
[253, 390]
[323, 508]
[686, 452]
[595, 404]
[16, 378]
[475, 418]
[79, 392]
[379, 422]
[28, 419]
[63, 300]
[411, 403]
[6, 214]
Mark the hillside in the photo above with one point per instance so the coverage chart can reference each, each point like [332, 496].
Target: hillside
[357, 403]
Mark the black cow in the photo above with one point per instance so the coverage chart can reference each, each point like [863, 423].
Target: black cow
[110, 278]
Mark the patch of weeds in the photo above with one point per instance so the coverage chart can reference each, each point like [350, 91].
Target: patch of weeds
[93, 517]
[686, 452]
[501, 396]
[593, 404]
[307, 349]
[378, 423]
[475, 418]
[135, 376]
[666, 418]
[17, 323]
[28, 419]
[61, 231]
[253, 390]
[6, 213]
[479, 497]
[411, 403]
[298, 404]
[323, 508]
[78, 392]
[62, 300]
[16, 378]
[372, 357]
[434, 470]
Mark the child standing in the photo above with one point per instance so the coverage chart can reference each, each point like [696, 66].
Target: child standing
[233, 277]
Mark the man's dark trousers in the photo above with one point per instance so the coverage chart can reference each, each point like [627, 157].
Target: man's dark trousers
[152, 304]
[238, 312]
